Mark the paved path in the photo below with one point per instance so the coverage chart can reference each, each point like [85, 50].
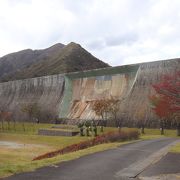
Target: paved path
[167, 168]
[106, 165]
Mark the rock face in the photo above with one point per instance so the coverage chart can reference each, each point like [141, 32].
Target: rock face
[71, 95]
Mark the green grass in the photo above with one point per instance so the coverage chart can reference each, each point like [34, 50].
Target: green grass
[54, 141]
[155, 133]
[30, 128]
[175, 148]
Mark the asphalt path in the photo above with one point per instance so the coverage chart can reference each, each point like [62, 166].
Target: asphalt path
[169, 164]
[106, 165]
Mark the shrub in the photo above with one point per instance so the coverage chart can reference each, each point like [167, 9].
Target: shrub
[104, 138]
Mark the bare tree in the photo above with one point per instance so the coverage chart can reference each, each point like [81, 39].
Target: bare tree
[5, 116]
[32, 110]
[113, 110]
[141, 118]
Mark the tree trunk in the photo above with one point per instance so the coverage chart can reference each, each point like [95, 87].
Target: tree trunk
[23, 125]
[95, 131]
[178, 129]
[2, 122]
[81, 131]
[87, 131]
[8, 125]
[14, 125]
[119, 129]
[101, 129]
[162, 130]
[162, 127]
[142, 129]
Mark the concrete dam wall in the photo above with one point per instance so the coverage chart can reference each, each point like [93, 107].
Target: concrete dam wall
[46, 91]
[72, 95]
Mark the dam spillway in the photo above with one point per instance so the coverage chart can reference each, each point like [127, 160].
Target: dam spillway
[71, 95]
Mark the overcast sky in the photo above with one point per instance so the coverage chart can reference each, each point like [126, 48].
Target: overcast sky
[115, 31]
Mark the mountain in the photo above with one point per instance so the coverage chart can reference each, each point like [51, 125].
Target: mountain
[54, 60]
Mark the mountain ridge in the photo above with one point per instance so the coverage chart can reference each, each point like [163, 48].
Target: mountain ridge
[55, 59]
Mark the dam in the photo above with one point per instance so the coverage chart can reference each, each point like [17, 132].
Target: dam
[72, 95]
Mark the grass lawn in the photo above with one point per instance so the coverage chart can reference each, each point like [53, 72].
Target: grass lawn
[175, 148]
[34, 145]
[15, 160]
[155, 133]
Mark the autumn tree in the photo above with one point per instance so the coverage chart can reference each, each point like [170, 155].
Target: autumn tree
[166, 101]
[100, 107]
[108, 108]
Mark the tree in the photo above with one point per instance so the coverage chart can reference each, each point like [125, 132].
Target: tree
[141, 118]
[108, 107]
[100, 107]
[166, 101]
[32, 110]
[87, 125]
[2, 119]
[5, 116]
[80, 126]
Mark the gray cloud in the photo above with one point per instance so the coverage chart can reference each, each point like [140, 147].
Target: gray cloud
[123, 39]
[97, 44]
[116, 31]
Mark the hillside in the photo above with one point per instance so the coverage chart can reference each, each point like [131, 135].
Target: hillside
[54, 60]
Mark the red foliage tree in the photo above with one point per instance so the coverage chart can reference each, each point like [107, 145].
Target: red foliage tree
[166, 101]
[106, 108]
